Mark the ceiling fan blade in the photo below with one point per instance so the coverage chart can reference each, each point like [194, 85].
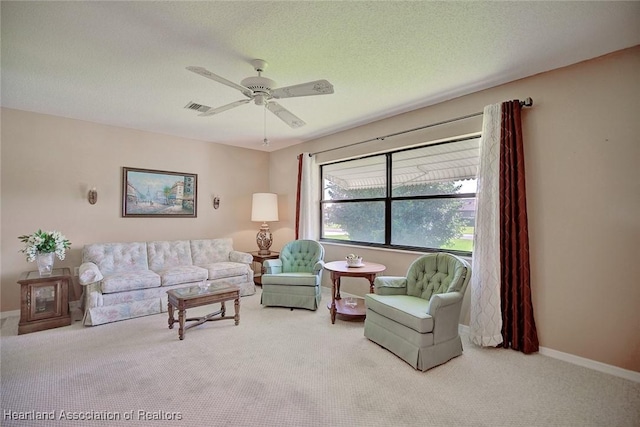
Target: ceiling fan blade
[208, 74]
[285, 115]
[213, 111]
[318, 87]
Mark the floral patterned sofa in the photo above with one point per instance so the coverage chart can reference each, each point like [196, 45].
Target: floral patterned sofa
[126, 280]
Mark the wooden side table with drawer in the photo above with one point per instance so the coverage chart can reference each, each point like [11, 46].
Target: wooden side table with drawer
[44, 301]
[259, 259]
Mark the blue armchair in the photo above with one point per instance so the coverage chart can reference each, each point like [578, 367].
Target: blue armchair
[416, 317]
[293, 280]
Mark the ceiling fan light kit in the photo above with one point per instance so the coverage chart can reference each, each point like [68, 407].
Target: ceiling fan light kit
[262, 91]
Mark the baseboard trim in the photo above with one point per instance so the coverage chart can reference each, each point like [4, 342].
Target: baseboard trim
[5, 314]
[580, 361]
[592, 364]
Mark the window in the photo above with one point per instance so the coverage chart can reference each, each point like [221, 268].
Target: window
[418, 199]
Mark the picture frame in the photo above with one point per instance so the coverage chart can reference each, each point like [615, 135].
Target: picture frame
[150, 193]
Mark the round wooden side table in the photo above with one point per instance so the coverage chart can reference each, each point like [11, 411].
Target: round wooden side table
[339, 269]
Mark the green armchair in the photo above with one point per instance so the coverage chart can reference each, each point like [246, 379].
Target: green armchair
[416, 317]
[293, 280]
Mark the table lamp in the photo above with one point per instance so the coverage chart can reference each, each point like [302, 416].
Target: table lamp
[264, 207]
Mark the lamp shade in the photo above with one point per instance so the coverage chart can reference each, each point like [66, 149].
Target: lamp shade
[264, 207]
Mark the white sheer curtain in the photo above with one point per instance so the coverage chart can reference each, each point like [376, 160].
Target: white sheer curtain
[486, 314]
[309, 199]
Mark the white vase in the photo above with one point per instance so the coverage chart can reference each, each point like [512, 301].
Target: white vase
[45, 263]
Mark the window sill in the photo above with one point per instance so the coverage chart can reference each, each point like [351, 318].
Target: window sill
[466, 257]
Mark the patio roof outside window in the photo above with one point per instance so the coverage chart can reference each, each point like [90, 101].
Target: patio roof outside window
[452, 161]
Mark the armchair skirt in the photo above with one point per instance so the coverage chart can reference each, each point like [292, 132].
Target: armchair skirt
[303, 294]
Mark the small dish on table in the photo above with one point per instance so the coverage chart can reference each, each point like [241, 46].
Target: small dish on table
[354, 260]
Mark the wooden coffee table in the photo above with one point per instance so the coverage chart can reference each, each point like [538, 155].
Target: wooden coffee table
[184, 298]
[338, 269]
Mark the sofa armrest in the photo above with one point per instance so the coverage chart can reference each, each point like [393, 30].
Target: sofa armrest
[390, 285]
[318, 267]
[272, 266]
[445, 310]
[242, 257]
[89, 273]
[440, 301]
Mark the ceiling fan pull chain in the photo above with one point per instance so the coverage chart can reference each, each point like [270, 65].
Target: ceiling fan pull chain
[265, 141]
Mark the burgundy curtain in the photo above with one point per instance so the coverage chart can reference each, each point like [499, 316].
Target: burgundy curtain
[298, 190]
[518, 325]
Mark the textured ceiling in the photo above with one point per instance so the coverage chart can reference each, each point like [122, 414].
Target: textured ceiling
[123, 63]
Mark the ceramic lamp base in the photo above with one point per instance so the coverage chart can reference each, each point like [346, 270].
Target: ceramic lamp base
[264, 239]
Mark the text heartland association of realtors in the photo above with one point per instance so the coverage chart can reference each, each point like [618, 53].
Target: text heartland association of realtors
[138, 415]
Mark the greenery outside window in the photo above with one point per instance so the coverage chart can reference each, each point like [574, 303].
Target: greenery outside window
[419, 199]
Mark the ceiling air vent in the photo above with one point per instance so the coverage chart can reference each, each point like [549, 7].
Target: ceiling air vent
[198, 107]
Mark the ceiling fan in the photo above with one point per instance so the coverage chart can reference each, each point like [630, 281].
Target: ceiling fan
[262, 91]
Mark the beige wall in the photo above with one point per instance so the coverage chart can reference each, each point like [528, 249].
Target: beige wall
[49, 163]
[582, 151]
[582, 146]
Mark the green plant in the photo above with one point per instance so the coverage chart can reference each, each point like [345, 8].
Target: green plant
[44, 242]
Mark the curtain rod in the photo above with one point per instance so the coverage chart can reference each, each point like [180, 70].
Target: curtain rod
[528, 102]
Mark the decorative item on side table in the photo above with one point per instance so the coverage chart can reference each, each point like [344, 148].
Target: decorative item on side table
[41, 247]
[351, 302]
[354, 260]
[264, 207]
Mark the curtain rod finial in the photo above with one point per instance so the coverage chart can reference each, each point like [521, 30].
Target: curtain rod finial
[528, 102]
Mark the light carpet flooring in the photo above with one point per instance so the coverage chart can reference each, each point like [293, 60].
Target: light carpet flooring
[287, 368]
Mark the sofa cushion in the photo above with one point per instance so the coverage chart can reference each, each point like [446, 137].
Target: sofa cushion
[167, 254]
[182, 274]
[130, 280]
[221, 270]
[117, 257]
[290, 279]
[205, 252]
[404, 309]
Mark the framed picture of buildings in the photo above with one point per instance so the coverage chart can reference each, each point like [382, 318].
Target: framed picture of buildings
[149, 193]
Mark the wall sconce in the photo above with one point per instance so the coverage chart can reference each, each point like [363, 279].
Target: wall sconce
[92, 196]
[216, 202]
